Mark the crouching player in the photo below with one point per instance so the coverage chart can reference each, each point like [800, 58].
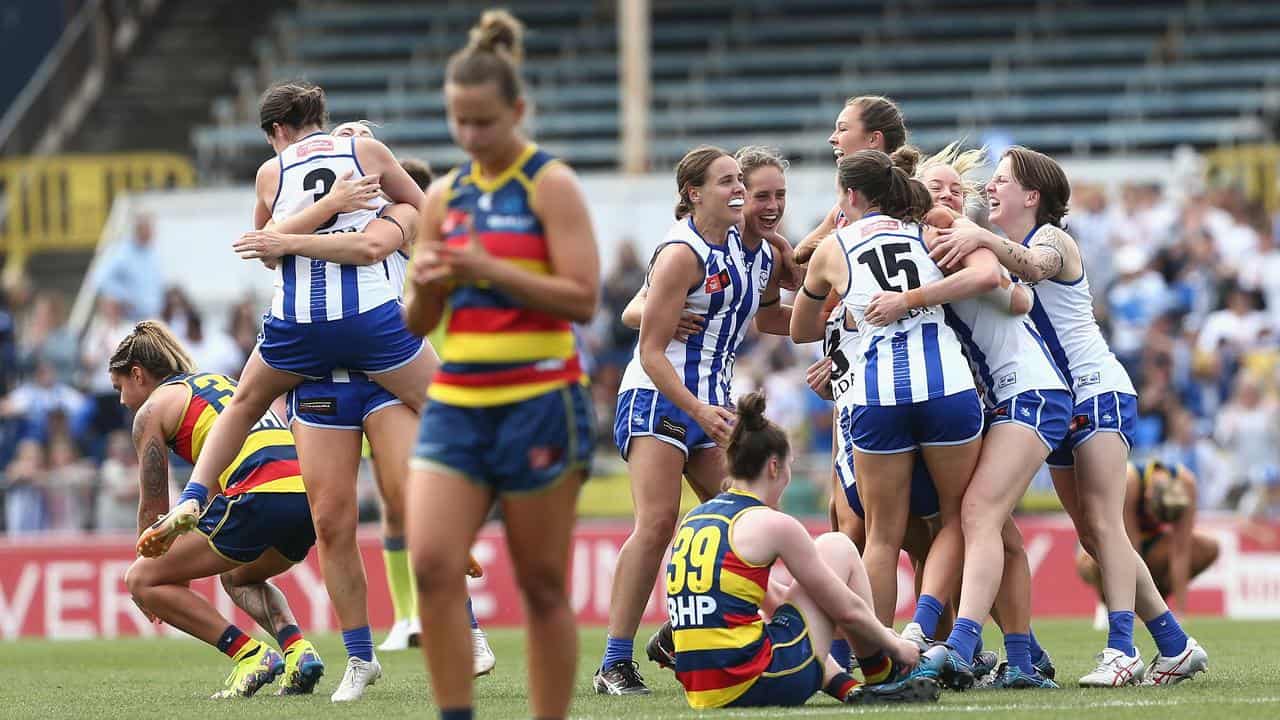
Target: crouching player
[726, 653]
[255, 529]
[1159, 517]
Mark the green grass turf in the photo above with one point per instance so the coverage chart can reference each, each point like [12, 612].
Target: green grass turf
[168, 678]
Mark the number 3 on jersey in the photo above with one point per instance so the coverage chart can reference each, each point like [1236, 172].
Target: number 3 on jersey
[693, 560]
[884, 263]
[320, 181]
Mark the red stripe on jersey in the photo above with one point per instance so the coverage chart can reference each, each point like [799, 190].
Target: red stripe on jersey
[502, 320]
[522, 246]
[757, 575]
[572, 370]
[734, 620]
[273, 470]
[182, 441]
[717, 678]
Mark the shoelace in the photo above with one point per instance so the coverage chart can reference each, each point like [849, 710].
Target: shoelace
[630, 671]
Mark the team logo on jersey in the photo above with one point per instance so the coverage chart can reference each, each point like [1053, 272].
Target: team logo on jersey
[453, 220]
[315, 146]
[717, 282]
[485, 202]
[764, 278]
[672, 429]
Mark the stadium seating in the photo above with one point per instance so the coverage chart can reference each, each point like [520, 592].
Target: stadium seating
[1160, 73]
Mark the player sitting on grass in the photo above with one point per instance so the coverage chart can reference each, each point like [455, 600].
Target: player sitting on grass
[727, 654]
[255, 529]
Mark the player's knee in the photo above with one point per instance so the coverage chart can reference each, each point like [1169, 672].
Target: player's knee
[1211, 552]
[335, 530]
[655, 529]
[435, 570]
[138, 578]
[543, 590]
[836, 550]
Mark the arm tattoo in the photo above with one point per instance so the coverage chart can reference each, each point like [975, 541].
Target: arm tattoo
[155, 472]
[1050, 257]
[263, 602]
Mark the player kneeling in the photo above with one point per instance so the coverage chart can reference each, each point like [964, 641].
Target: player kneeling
[256, 528]
[726, 653]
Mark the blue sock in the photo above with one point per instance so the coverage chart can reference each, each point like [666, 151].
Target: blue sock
[1168, 634]
[616, 650]
[965, 635]
[359, 642]
[475, 624]
[456, 714]
[1018, 648]
[194, 491]
[1037, 652]
[1120, 632]
[928, 612]
[841, 653]
[977, 649]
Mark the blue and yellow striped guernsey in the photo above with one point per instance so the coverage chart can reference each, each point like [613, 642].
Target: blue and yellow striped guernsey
[496, 351]
[268, 460]
[713, 599]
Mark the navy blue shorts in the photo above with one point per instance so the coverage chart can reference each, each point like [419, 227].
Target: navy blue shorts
[519, 447]
[1047, 412]
[886, 429]
[1109, 412]
[795, 671]
[336, 404]
[373, 342]
[924, 496]
[242, 527]
[647, 413]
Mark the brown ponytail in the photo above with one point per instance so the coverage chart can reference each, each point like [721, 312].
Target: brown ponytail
[880, 114]
[494, 51]
[885, 185]
[152, 347]
[755, 439]
[297, 104]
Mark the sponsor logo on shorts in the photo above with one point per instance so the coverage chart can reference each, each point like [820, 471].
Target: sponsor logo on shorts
[541, 458]
[672, 429]
[318, 406]
[1080, 422]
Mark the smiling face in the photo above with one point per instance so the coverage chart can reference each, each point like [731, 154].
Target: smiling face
[721, 196]
[850, 135]
[945, 186]
[480, 119]
[766, 200]
[1009, 201]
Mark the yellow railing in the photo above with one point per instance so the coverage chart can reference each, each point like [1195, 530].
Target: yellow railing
[62, 201]
[1255, 169]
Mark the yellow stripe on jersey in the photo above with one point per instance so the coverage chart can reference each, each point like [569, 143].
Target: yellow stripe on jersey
[486, 396]
[201, 430]
[706, 699]
[718, 638]
[514, 347]
[740, 587]
[256, 441]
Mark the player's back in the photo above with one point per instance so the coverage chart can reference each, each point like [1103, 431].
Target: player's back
[918, 357]
[310, 290]
[713, 600]
[268, 460]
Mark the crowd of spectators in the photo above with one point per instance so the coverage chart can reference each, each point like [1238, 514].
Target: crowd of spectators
[1186, 287]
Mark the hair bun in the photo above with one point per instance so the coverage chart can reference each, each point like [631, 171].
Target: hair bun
[907, 158]
[499, 31]
[751, 409]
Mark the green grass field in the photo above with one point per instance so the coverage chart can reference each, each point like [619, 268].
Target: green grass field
[172, 678]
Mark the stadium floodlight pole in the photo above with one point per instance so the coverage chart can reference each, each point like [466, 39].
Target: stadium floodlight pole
[634, 60]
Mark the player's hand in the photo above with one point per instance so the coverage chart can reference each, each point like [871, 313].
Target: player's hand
[818, 377]
[717, 421]
[903, 652]
[265, 245]
[885, 307]
[470, 261]
[428, 269]
[956, 242]
[789, 273]
[348, 194]
[806, 248]
[690, 324]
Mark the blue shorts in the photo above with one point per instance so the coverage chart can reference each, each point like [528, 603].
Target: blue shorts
[886, 429]
[519, 447]
[374, 341]
[924, 496]
[1109, 412]
[242, 527]
[1047, 412]
[647, 413]
[795, 671]
[338, 405]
